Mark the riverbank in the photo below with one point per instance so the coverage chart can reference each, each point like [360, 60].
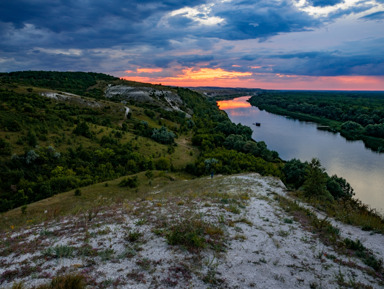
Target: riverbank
[280, 107]
[291, 138]
[375, 144]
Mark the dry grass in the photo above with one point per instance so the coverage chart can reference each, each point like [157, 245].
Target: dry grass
[352, 212]
[330, 236]
[74, 281]
[92, 197]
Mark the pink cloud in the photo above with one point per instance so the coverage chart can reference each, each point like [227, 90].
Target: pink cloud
[149, 70]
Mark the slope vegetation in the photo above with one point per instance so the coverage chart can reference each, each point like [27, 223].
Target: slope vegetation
[65, 130]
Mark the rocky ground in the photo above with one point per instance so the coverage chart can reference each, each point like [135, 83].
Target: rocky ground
[225, 232]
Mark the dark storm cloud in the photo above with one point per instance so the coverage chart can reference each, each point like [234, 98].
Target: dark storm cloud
[261, 19]
[69, 15]
[88, 24]
[118, 35]
[27, 25]
[248, 57]
[374, 16]
[78, 23]
[331, 64]
[324, 3]
[191, 60]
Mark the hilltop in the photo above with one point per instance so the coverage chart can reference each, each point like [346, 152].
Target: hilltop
[240, 231]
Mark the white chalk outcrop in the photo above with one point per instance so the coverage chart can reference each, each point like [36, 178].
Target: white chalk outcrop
[165, 99]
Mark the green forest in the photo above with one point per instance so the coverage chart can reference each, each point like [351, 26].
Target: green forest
[49, 146]
[356, 115]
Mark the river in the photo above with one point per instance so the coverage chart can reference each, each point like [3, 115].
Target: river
[361, 167]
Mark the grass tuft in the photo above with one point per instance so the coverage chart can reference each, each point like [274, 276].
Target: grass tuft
[195, 233]
[59, 252]
[134, 236]
[71, 281]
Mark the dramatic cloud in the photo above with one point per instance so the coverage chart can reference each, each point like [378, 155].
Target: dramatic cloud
[323, 3]
[227, 42]
[374, 16]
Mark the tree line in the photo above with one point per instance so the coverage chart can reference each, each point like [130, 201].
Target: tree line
[356, 115]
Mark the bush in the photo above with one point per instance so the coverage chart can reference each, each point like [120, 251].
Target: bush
[339, 188]
[77, 193]
[82, 129]
[351, 129]
[5, 147]
[195, 233]
[12, 125]
[162, 135]
[295, 172]
[23, 209]
[315, 183]
[163, 164]
[129, 182]
[364, 254]
[63, 183]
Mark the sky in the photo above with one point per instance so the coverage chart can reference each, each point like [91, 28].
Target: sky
[270, 44]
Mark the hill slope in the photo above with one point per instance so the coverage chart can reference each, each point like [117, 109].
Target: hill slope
[64, 130]
[227, 232]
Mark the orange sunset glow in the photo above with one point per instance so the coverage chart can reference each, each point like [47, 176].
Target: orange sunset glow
[222, 78]
[149, 70]
[193, 77]
[209, 74]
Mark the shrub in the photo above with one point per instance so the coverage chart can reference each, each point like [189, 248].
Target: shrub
[295, 172]
[351, 129]
[163, 164]
[77, 193]
[339, 188]
[23, 209]
[59, 252]
[129, 182]
[12, 125]
[5, 147]
[64, 183]
[82, 129]
[149, 174]
[106, 254]
[364, 254]
[195, 233]
[162, 135]
[134, 236]
[315, 184]
[31, 139]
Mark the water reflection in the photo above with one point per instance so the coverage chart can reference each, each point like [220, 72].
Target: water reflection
[234, 103]
[291, 138]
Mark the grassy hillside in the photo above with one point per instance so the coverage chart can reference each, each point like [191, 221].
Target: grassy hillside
[53, 141]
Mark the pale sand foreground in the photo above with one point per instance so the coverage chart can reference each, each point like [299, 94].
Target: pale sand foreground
[121, 247]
